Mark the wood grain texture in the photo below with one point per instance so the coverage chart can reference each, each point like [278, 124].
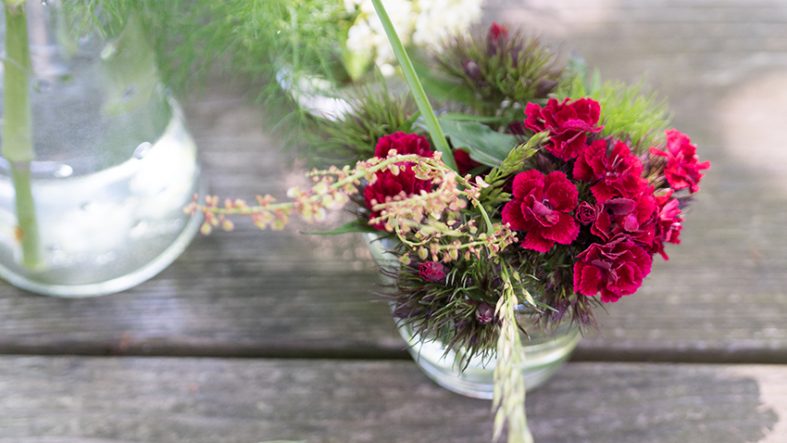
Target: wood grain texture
[722, 296]
[59, 400]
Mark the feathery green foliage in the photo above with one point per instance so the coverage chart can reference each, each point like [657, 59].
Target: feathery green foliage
[353, 136]
[446, 311]
[628, 112]
[504, 75]
[250, 40]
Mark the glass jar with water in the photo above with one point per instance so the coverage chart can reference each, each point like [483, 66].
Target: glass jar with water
[97, 164]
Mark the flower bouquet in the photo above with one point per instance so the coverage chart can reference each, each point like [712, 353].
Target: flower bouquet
[548, 194]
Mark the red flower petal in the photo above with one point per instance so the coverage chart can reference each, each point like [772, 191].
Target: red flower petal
[562, 194]
[535, 242]
[565, 231]
[526, 183]
[512, 214]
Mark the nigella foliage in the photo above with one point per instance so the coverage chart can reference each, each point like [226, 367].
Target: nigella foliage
[628, 112]
[374, 113]
[458, 309]
[503, 70]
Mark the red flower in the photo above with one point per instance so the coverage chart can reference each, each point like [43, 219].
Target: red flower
[431, 271]
[627, 217]
[464, 163]
[586, 213]
[614, 269]
[497, 32]
[568, 124]
[668, 222]
[387, 185]
[495, 38]
[615, 173]
[541, 207]
[404, 144]
[683, 166]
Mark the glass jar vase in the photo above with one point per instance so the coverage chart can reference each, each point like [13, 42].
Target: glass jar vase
[97, 164]
[545, 349]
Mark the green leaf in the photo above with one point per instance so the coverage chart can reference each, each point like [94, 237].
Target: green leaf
[441, 87]
[455, 116]
[482, 143]
[347, 228]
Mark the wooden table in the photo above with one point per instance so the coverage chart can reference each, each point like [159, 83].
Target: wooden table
[256, 336]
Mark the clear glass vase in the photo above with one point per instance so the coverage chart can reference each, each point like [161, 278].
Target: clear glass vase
[545, 349]
[97, 205]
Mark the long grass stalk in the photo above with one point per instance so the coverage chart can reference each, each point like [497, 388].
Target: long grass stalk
[416, 88]
[17, 128]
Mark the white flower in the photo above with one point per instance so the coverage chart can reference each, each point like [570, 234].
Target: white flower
[439, 19]
[421, 22]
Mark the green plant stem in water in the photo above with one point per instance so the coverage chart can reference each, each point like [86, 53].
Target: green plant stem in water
[432, 124]
[17, 128]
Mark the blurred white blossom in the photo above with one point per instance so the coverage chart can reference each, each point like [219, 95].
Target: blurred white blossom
[423, 23]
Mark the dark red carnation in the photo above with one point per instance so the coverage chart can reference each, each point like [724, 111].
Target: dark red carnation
[432, 271]
[683, 166]
[633, 218]
[387, 185]
[613, 269]
[541, 206]
[668, 222]
[613, 172]
[464, 163]
[586, 213]
[404, 144]
[568, 124]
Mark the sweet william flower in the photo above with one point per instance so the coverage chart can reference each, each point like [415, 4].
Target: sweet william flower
[683, 166]
[586, 213]
[613, 269]
[568, 122]
[541, 206]
[612, 172]
[633, 218]
[432, 271]
[388, 185]
[404, 144]
[668, 222]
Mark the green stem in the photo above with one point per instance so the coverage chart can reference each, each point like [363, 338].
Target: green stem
[17, 128]
[432, 124]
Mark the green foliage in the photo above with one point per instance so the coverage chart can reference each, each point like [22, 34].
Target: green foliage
[628, 112]
[353, 136]
[514, 162]
[248, 39]
[515, 71]
[484, 145]
[446, 311]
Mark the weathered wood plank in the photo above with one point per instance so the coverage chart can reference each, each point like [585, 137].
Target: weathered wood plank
[221, 401]
[722, 297]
